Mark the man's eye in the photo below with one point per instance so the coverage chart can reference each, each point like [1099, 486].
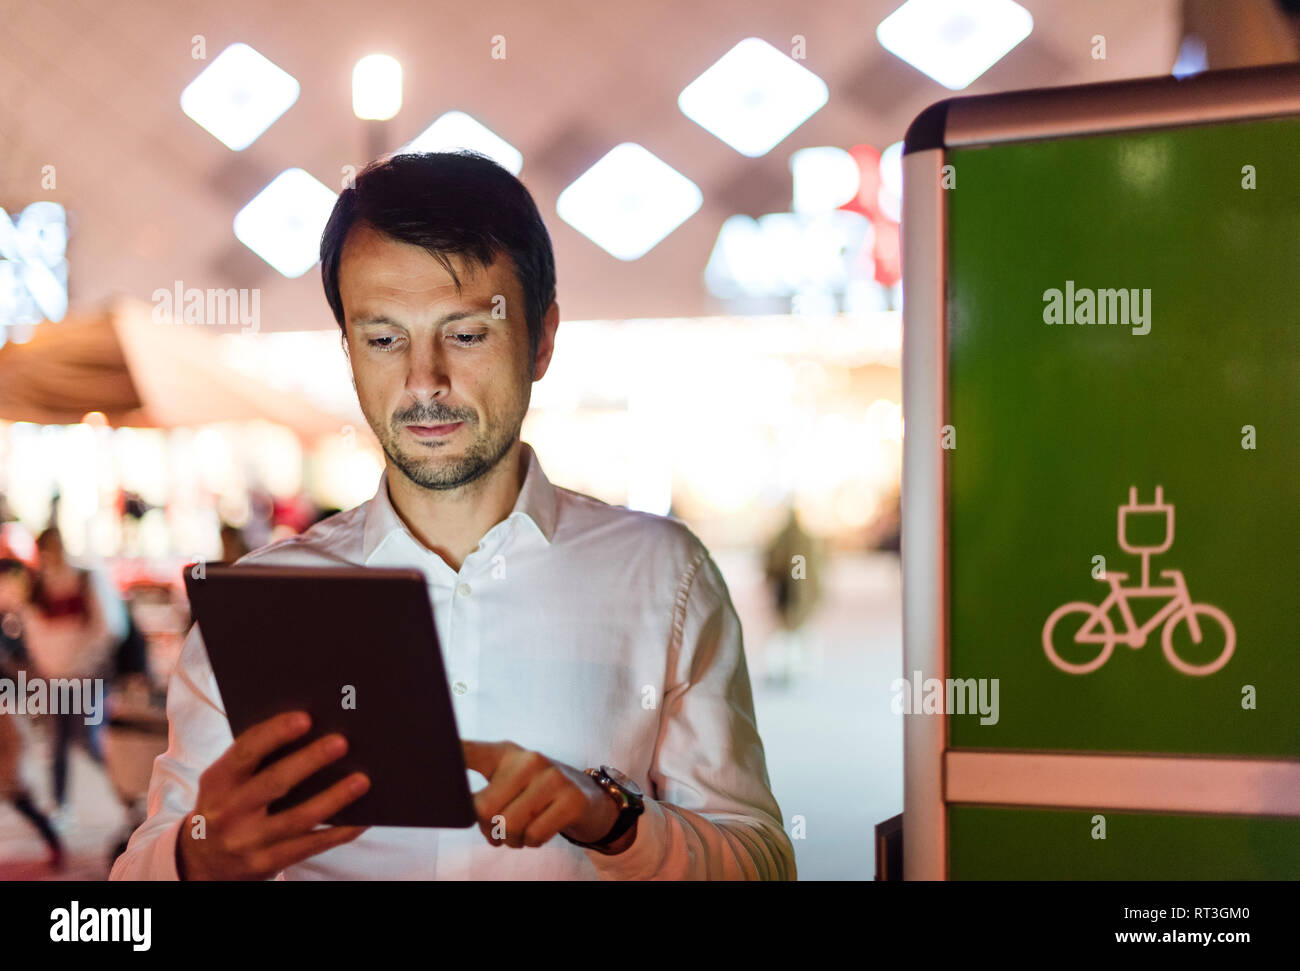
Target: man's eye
[468, 339]
[378, 343]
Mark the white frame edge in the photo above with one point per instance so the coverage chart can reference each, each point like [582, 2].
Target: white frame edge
[924, 529]
[1205, 786]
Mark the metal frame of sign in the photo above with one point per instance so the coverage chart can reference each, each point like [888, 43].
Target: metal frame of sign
[935, 777]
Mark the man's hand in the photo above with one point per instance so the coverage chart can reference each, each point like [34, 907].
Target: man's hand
[242, 841]
[537, 798]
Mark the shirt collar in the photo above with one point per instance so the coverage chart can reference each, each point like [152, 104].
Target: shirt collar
[537, 504]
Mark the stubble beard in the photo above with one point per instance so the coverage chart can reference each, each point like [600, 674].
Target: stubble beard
[428, 469]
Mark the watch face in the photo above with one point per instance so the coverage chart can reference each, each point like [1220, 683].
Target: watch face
[623, 780]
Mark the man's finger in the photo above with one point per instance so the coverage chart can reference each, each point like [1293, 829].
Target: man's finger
[547, 824]
[540, 793]
[290, 823]
[242, 758]
[275, 859]
[278, 778]
[511, 777]
[483, 757]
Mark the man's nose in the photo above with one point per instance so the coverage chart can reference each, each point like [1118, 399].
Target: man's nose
[427, 375]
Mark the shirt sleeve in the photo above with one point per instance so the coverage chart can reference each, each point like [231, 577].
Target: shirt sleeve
[198, 733]
[712, 815]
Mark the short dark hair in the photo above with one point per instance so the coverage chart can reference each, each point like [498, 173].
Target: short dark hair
[460, 203]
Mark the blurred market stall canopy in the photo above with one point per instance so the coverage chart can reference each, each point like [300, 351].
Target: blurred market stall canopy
[137, 372]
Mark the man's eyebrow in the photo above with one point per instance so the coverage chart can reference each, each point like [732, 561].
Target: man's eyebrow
[377, 320]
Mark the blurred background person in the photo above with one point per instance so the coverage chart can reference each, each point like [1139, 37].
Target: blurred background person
[6, 551]
[233, 544]
[72, 627]
[793, 570]
[14, 733]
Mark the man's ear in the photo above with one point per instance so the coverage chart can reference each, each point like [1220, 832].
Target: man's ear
[546, 346]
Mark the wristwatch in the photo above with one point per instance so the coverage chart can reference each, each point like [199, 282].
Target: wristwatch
[631, 804]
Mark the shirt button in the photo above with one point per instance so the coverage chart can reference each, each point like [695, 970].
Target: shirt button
[460, 687]
[463, 590]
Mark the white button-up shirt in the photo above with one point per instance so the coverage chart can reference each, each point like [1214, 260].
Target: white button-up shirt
[587, 632]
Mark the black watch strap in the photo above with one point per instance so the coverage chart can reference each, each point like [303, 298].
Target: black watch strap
[630, 807]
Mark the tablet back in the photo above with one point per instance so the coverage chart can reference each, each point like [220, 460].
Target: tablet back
[355, 648]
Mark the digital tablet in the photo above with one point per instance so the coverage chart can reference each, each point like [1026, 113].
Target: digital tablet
[356, 649]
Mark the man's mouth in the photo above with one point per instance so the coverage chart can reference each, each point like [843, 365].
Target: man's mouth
[434, 431]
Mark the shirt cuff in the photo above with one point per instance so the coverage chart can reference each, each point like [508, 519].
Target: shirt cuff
[160, 864]
[641, 859]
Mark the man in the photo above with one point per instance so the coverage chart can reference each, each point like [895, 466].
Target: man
[581, 634]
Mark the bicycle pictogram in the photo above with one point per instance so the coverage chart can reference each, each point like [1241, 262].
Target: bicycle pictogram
[1095, 626]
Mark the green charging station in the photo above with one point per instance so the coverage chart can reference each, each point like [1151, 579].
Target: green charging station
[1101, 484]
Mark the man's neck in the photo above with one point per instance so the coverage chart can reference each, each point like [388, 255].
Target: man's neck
[452, 522]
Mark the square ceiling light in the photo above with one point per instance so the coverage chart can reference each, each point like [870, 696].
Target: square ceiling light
[628, 201]
[283, 223]
[33, 266]
[238, 96]
[954, 41]
[457, 130]
[753, 97]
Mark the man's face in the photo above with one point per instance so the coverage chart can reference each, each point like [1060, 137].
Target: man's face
[443, 382]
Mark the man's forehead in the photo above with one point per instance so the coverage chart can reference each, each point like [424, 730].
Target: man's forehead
[372, 261]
